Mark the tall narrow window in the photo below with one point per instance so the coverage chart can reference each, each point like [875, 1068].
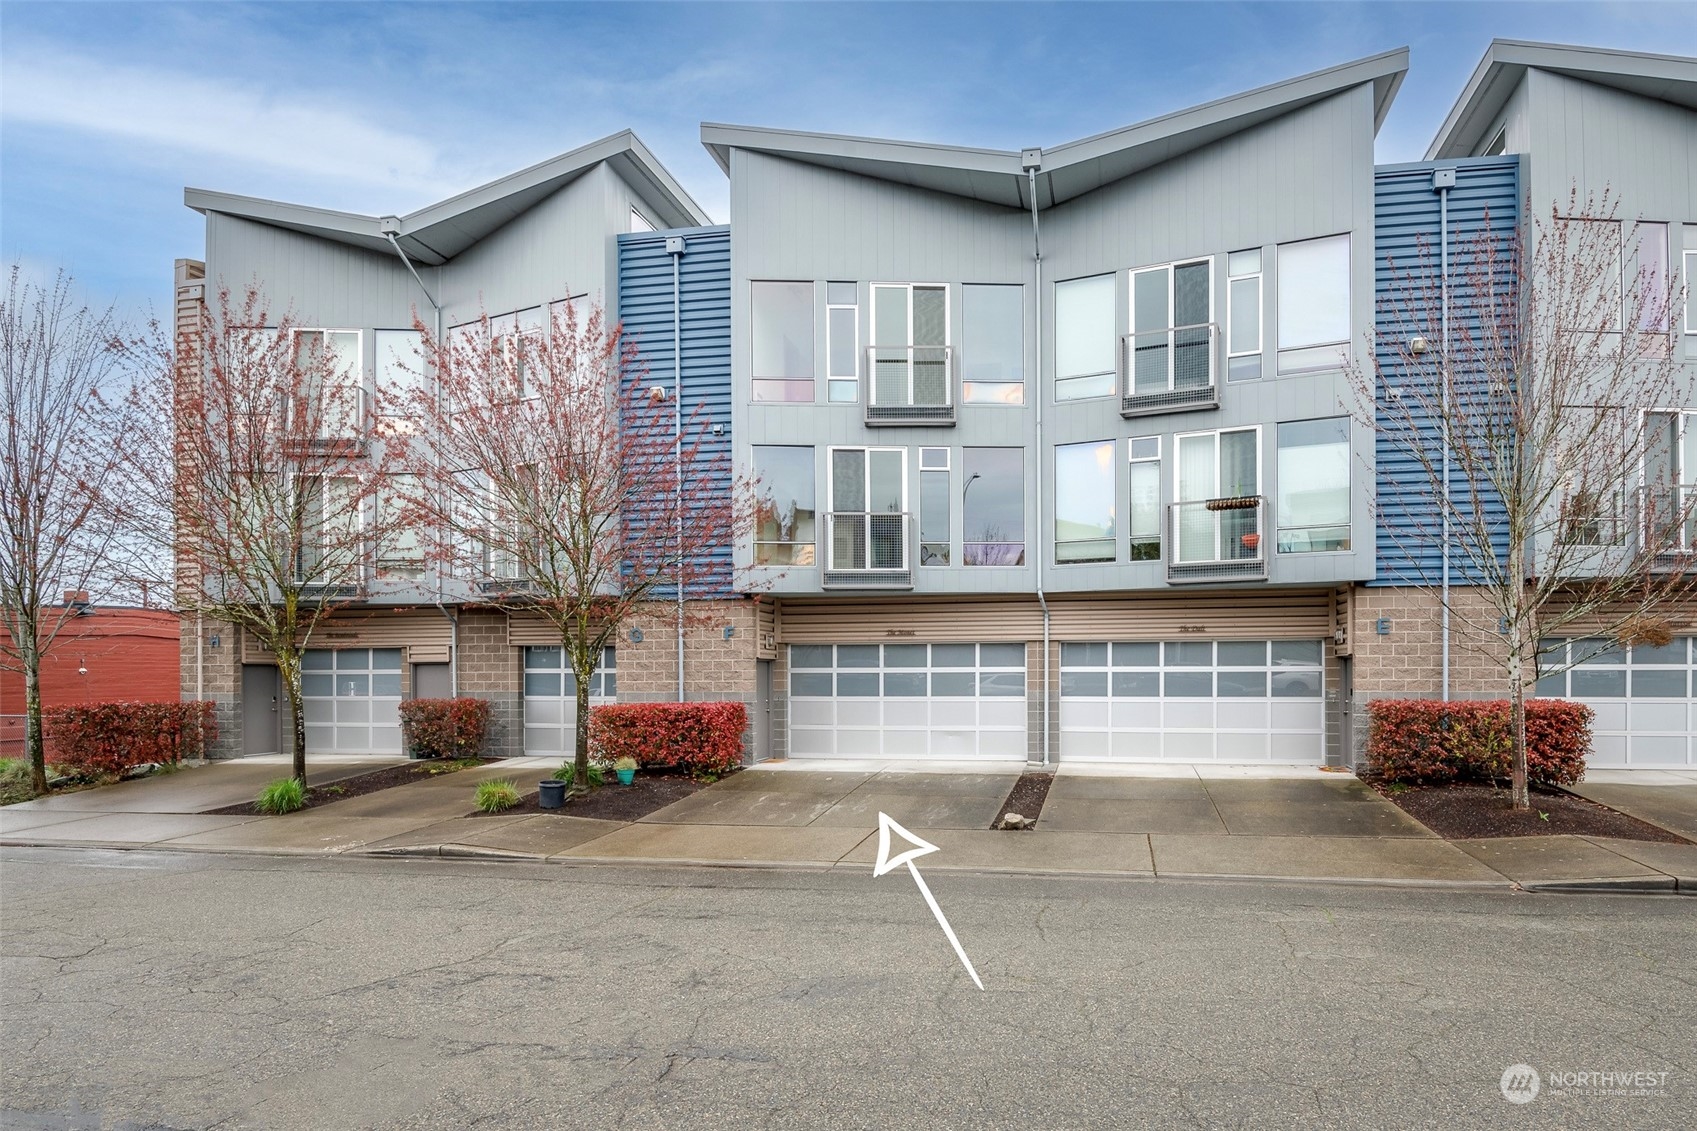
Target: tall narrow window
[842, 345]
[933, 506]
[1670, 479]
[1243, 316]
[1691, 278]
[333, 399]
[1649, 298]
[1144, 519]
[993, 354]
[1084, 338]
[993, 506]
[517, 341]
[784, 526]
[1084, 502]
[910, 346]
[400, 371]
[1172, 328]
[781, 329]
[1313, 288]
[1313, 485]
[329, 551]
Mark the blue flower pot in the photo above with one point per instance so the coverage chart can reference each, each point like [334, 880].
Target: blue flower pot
[626, 776]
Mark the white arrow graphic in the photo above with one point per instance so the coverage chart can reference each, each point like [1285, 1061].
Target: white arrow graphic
[919, 847]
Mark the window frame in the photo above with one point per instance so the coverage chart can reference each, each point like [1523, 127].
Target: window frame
[755, 380]
[356, 429]
[1129, 375]
[1024, 542]
[965, 381]
[1258, 277]
[1112, 538]
[951, 397]
[1311, 356]
[812, 545]
[947, 472]
[1277, 525]
[1689, 258]
[1135, 460]
[867, 451]
[834, 380]
[358, 536]
[1111, 333]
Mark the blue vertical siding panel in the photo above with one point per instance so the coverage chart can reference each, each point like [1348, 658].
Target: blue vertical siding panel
[645, 308]
[1487, 196]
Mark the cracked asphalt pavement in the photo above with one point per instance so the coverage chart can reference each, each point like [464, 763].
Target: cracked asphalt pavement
[174, 991]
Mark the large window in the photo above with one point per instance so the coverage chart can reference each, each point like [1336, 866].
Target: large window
[1670, 479]
[331, 525]
[1084, 502]
[1243, 315]
[993, 506]
[1171, 326]
[934, 506]
[1218, 504]
[868, 509]
[842, 342]
[400, 371]
[910, 346]
[1144, 519]
[1313, 287]
[784, 531]
[781, 328]
[400, 550]
[329, 361]
[993, 360]
[1313, 485]
[1084, 338]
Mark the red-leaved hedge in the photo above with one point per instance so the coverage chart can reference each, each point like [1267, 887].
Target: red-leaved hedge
[701, 738]
[445, 728]
[1430, 741]
[109, 738]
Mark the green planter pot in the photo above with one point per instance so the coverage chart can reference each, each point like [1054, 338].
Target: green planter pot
[626, 776]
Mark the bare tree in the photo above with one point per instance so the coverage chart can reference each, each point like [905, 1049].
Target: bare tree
[1542, 426]
[279, 482]
[62, 360]
[564, 487]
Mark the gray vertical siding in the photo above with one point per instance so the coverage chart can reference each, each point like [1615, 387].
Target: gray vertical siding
[645, 298]
[1485, 202]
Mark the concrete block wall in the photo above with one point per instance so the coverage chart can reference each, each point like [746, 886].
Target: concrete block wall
[717, 668]
[214, 674]
[492, 668]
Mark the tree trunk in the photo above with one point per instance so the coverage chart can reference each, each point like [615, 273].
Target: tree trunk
[289, 669]
[35, 741]
[580, 735]
[1518, 794]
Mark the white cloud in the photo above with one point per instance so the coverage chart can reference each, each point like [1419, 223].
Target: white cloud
[175, 110]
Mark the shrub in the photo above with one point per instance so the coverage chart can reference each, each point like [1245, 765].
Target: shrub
[284, 795]
[1432, 742]
[445, 728]
[16, 781]
[494, 796]
[109, 738]
[701, 738]
[568, 771]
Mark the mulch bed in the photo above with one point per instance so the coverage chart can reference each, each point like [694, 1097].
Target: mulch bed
[613, 802]
[1025, 798]
[1468, 812]
[386, 778]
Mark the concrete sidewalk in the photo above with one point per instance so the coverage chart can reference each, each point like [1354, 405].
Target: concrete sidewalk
[1265, 823]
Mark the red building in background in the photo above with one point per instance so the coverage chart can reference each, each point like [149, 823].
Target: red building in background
[101, 655]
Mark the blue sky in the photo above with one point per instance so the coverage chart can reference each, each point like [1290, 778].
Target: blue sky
[108, 110]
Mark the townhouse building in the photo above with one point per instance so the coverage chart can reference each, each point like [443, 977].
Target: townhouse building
[1536, 124]
[1060, 457]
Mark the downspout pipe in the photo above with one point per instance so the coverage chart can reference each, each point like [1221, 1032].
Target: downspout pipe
[675, 248]
[1442, 181]
[391, 228]
[1032, 160]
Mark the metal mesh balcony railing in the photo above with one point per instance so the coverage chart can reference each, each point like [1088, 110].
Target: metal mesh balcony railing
[1217, 539]
[1169, 370]
[910, 385]
[868, 549]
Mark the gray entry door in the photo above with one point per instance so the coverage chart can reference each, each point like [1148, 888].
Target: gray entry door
[261, 733]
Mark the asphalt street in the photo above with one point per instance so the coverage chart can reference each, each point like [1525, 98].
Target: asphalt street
[176, 991]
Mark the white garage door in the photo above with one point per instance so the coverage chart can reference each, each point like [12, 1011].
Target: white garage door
[907, 701]
[550, 698]
[1193, 701]
[1645, 714]
[351, 700]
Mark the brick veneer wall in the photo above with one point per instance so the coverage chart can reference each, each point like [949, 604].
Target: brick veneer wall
[218, 677]
[492, 668]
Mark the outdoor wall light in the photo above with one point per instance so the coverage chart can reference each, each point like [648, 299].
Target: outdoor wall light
[656, 393]
[1417, 346]
[215, 641]
[636, 636]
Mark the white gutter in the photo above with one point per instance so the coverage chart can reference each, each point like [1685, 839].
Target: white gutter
[675, 248]
[1033, 160]
[1442, 185]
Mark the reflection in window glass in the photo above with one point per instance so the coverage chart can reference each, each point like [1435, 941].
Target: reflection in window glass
[1313, 485]
[993, 352]
[784, 518]
[781, 329]
[1084, 502]
[1084, 338]
[1313, 301]
[993, 506]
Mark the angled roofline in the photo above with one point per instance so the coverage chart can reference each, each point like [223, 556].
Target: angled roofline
[1506, 61]
[437, 232]
[998, 176]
